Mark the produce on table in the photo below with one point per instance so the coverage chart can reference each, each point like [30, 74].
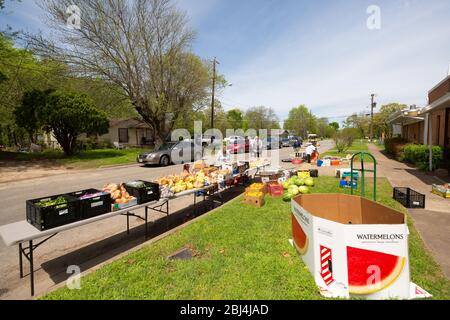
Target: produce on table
[49, 203]
[118, 193]
[91, 195]
[136, 184]
[286, 185]
[189, 181]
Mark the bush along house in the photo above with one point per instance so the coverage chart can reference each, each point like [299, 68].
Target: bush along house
[429, 125]
[437, 118]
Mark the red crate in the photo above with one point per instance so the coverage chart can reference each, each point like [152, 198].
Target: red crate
[276, 190]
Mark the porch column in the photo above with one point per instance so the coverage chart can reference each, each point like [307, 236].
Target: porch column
[425, 130]
[430, 142]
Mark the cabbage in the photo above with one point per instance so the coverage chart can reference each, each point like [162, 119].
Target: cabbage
[309, 182]
[303, 189]
[293, 190]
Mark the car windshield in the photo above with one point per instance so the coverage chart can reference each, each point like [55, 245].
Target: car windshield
[166, 146]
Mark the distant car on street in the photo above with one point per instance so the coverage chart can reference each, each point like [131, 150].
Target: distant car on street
[240, 145]
[285, 142]
[295, 140]
[163, 156]
[273, 143]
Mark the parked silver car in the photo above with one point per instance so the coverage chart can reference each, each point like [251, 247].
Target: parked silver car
[171, 152]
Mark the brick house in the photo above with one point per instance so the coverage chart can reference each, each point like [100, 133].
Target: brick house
[129, 132]
[410, 124]
[433, 121]
[437, 114]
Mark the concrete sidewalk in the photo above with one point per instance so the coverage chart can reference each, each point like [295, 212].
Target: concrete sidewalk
[433, 223]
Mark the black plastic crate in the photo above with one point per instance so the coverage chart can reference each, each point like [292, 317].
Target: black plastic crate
[150, 192]
[409, 198]
[92, 207]
[45, 218]
[314, 173]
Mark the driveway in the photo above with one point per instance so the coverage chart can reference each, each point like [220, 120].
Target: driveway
[84, 245]
[433, 223]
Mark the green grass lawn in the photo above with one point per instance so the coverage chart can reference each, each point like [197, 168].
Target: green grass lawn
[85, 159]
[357, 146]
[241, 253]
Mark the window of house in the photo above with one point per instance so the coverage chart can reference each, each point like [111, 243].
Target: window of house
[123, 136]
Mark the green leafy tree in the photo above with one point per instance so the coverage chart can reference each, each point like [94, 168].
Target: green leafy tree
[381, 125]
[359, 122]
[261, 117]
[67, 115]
[335, 125]
[235, 119]
[26, 114]
[301, 121]
[142, 47]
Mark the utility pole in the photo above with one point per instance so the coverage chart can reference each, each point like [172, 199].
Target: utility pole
[215, 62]
[372, 106]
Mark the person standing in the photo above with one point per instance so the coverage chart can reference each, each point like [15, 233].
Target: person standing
[258, 146]
[296, 145]
[309, 152]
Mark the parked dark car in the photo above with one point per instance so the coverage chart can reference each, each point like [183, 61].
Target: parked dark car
[285, 142]
[171, 152]
[273, 142]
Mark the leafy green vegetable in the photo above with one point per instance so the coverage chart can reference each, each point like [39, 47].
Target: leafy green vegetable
[49, 203]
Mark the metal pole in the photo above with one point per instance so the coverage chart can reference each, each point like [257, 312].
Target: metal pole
[213, 92]
[146, 222]
[20, 261]
[371, 117]
[31, 268]
[430, 142]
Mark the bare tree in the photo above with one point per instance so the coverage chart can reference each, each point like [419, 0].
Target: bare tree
[140, 46]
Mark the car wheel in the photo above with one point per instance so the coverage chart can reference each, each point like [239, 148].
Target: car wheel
[164, 161]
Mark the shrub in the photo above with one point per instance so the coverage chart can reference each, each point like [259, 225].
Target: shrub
[394, 146]
[343, 139]
[419, 155]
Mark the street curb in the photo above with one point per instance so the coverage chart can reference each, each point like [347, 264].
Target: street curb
[68, 171]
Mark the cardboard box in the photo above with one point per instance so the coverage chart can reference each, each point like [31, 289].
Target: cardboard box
[352, 246]
[121, 206]
[256, 202]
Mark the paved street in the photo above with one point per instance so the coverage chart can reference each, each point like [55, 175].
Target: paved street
[85, 244]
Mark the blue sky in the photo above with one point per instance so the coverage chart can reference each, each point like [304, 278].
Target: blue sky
[282, 53]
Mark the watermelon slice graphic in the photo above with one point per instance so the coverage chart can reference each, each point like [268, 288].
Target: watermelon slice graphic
[300, 239]
[372, 271]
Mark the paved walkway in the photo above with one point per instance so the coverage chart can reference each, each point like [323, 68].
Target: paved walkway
[433, 223]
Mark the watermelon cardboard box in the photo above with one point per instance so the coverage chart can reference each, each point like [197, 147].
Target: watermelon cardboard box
[353, 247]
